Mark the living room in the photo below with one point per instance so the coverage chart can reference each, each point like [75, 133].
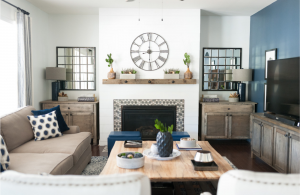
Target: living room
[109, 69]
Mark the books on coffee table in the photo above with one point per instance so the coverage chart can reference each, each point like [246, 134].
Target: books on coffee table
[198, 147]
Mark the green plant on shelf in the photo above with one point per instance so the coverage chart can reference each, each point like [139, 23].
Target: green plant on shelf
[172, 71]
[109, 60]
[129, 71]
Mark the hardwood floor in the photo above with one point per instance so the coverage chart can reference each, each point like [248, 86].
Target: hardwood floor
[237, 151]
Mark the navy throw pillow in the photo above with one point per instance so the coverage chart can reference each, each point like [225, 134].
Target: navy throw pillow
[60, 119]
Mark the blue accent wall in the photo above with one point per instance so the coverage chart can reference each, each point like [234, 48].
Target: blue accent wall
[276, 26]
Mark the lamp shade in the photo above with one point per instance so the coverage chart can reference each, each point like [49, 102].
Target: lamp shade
[242, 75]
[55, 73]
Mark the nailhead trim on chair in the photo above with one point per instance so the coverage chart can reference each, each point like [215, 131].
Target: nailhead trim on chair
[272, 183]
[76, 185]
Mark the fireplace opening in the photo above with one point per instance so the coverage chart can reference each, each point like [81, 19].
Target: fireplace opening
[141, 118]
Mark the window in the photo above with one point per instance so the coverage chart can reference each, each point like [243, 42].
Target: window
[80, 63]
[8, 67]
[218, 64]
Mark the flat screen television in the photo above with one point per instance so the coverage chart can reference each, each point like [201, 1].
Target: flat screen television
[283, 87]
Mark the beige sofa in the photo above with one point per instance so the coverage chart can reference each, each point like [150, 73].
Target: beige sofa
[68, 154]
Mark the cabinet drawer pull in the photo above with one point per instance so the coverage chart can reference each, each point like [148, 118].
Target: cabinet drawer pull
[68, 107]
[71, 114]
[286, 135]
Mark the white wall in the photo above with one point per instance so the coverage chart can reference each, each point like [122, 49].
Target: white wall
[117, 30]
[225, 31]
[73, 31]
[39, 50]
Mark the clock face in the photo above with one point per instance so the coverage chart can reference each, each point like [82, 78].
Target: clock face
[149, 51]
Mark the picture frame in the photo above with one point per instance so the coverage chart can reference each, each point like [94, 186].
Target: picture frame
[269, 55]
[265, 97]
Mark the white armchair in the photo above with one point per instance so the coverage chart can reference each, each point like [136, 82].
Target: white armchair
[240, 182]
[14, 183]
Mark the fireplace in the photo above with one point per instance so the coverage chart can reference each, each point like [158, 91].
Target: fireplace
[141, 118]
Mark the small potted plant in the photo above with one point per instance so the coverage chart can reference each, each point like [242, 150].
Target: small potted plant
[129, 73]
[188, 74]
[234, 97]
[171, 74]
[164, 139]
[111, 74]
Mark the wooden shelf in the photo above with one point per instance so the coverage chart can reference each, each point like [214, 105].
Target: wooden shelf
[149, 81]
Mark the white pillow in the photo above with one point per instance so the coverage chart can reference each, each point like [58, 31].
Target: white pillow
[45, 126]
[4, 157]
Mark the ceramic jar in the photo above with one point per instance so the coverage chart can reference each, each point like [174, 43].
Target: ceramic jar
[164, 142]
[188, 74]
[111, 74]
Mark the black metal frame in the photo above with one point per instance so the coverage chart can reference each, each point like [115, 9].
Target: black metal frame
[95, 78]
[153, 42]
[203, 57]
[150, 108]
[266, 64]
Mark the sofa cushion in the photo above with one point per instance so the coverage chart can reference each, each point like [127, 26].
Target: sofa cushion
[36, 163]
[4, 156]
[45, 126]
[74, 144]
[61, 121]
[15, 128]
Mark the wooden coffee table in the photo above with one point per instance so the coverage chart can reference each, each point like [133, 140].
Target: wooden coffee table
[178, 169]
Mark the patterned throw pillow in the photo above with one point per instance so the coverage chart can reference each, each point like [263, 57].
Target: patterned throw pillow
[3, 155]
[45, 126]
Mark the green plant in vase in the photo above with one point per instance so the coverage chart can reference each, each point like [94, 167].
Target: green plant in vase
[188, 74]
[164, 139]
[111, 74]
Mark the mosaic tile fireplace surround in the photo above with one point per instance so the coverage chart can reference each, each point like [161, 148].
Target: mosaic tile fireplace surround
[118, 103]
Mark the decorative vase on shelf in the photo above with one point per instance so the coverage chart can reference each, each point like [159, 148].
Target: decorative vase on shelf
[188, 74]
[164, 142]
[111, 74]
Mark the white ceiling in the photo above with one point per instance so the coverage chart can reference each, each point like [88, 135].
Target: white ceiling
[211, 7]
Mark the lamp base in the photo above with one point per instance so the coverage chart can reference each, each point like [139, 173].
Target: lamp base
[55, 90]
[242, 92]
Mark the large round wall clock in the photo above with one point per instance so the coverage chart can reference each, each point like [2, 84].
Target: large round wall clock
[149, 51]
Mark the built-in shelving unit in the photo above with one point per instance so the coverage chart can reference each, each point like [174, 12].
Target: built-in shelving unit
[149, 81]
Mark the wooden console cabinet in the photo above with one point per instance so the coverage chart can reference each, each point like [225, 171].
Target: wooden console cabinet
[275, 143]
[226, 120]
[82, 114]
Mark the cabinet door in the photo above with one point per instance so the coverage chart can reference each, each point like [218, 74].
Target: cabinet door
[66, 117]
[280, 155]
[256, 137]
[84, 120]
[267, 137]
[294, 154]
[216, 125]
[239, 125]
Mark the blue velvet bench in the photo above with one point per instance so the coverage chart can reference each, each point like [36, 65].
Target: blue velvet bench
[135, 135]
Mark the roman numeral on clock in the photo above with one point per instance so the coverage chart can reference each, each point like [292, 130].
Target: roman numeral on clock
[142, 38]
[136, 44]
[137, 58]
[134, 51]
[162, 58]
[142, 64]
[164, 51]
[149, 36]
[157, 64]
[161, 44]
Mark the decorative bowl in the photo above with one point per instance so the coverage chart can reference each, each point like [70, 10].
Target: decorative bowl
[203, 158]
[127, 163]
[187, 142]
[233, 99]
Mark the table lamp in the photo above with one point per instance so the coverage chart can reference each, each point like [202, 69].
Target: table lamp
[242, 75]
[58, 74]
